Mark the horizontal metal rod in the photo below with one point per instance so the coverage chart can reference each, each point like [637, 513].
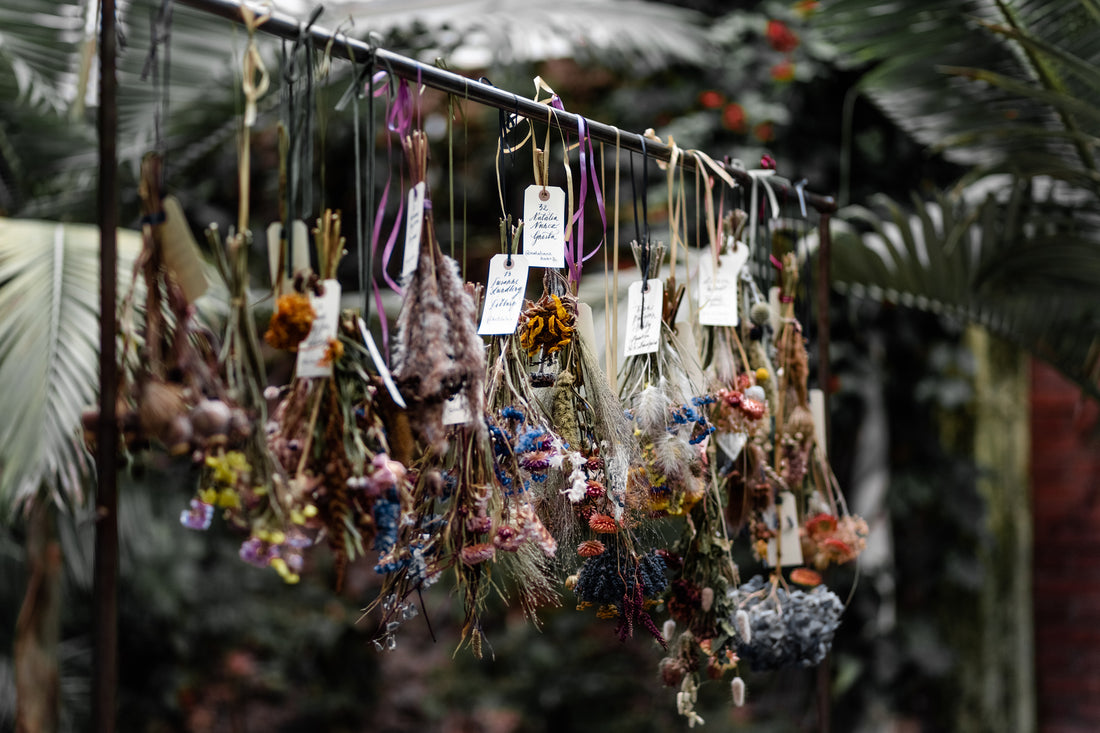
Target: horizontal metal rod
[284, 26]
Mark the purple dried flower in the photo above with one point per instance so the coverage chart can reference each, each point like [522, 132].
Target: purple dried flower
[255, 551]
[198, 516]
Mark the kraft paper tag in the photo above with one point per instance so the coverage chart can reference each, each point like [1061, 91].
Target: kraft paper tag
[181, 253]
[544, 226]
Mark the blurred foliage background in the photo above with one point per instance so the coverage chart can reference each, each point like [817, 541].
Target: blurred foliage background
[980, 117]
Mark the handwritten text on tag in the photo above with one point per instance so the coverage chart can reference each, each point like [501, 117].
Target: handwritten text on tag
[414, 222]
[544, 226]
[643, 325]
[504, 295]
[718, 288]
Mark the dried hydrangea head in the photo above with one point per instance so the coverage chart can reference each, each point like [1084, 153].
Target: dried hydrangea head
[291, 322]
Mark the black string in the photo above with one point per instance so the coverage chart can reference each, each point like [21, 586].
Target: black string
[160, 34]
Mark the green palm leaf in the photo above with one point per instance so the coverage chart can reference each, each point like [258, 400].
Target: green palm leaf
[982, 260]
[49, 345]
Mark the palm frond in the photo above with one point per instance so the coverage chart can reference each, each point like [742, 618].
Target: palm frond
[49, 345]
[956, 75]
[1023, 266]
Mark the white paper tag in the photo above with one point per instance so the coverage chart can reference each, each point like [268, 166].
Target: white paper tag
[380, 366]
[503, 295]
[544, 226]
[643, 327]
[456, 411]
[312, 351]
[414, 223]
[817, 409]
[718, 288]
[275, 247]
[790, 543]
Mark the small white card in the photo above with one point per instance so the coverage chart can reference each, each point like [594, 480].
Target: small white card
[380, 365]
[544, 226]
[790, 547]
[312, 351]
[504, 295]
[300, 233]
[456, 411]
[817, 409]
[718, 288]
[414, 223]
[643, 323]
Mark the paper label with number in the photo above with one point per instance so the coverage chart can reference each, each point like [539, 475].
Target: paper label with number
[456, 411]
[544, 226]
[503, 295]
[790, 543]
[643, 324]
[313, 352]
[718, 288]
[414, 223]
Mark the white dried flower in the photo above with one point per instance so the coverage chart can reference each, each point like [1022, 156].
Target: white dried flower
[668, 629]
[737, 690]
[706, 599]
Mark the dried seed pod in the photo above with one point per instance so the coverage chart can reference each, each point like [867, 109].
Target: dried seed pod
[706, 599]
[211, 417]
[158, 406]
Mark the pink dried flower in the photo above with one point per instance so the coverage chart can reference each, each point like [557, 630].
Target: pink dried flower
[474, 554]
[478, 524]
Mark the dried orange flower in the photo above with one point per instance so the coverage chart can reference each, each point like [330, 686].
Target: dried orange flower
[333, 352]
[291, 322]
[590, 548]
[806, 577]
[602, 524]
[547, 326]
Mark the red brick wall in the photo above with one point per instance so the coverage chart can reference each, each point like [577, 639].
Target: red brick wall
[1065, 471]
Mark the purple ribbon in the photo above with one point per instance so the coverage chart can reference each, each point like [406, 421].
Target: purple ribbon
[576, 257]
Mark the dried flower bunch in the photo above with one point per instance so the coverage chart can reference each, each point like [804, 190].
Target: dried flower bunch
[510, 465]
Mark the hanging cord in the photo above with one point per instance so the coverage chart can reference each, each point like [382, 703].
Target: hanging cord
[364, 190]
[160, 36]
[298, 124]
